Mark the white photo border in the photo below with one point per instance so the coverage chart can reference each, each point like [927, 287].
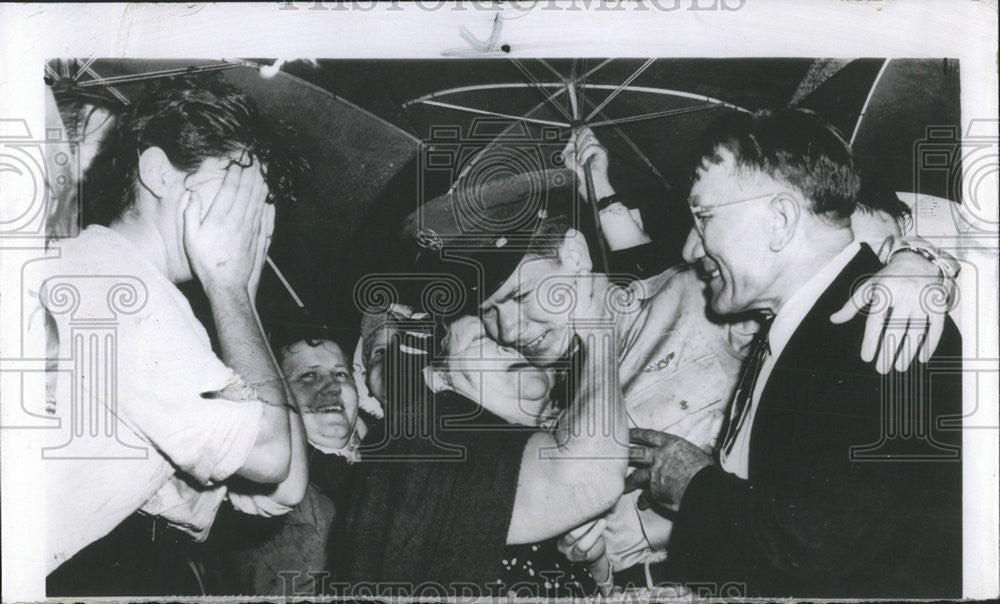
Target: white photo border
[965, 30]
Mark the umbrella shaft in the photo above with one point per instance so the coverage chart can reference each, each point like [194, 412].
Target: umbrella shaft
[602, 247]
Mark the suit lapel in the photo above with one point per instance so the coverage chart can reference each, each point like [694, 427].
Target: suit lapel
[817, 328]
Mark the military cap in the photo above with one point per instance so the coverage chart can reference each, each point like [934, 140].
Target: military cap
[477, 233]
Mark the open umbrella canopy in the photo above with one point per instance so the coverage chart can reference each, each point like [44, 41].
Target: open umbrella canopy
[388, 135]
[643, 110]
[646, 111]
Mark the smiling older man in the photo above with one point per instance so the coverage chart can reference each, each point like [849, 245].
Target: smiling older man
[818, 493]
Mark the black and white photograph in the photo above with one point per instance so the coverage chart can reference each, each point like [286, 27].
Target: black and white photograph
[627, 301]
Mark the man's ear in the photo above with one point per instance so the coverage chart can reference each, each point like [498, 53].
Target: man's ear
[785, 212]
[574, 254]
[155, 171]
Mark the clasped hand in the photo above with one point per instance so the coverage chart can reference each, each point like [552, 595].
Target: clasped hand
[665, 465]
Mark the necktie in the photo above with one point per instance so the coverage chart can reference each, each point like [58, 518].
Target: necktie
[740, 408]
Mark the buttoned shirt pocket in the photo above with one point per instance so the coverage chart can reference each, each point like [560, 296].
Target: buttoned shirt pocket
[686, 401]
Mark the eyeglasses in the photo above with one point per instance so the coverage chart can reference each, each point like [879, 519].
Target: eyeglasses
[701, 214]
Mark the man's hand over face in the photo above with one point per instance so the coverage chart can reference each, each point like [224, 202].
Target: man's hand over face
[666, 464]
[226, 242]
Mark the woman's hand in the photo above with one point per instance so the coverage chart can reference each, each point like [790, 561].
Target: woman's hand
[498, 378]
[585, 545]
[907, 302]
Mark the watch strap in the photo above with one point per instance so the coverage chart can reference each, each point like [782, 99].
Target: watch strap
[948, 266]
[604, 202]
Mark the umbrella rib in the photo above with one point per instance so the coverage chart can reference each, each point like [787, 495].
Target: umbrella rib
[52, 72]
[476, 87]
[475, 158]
[653, 115]
[150, 75]
[552, 69]
[86, 64]
[642, 156]
[621, 87]
[502, 85]
[589, 73]
[538, 85]
[284, 281]
[868, 99]
[98, 78]
[669, 92]
[495, 114]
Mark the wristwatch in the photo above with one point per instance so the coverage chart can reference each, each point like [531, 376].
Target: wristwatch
[948, 266]
[604, 202]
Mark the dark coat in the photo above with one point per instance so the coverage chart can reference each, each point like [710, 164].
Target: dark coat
[842, 499]
[434, 495]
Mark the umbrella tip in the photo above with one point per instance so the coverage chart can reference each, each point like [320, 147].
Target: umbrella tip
[269, 71]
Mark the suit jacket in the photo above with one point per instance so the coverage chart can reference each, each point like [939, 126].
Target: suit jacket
[855, 481]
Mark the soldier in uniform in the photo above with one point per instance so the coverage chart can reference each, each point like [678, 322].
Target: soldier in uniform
[448, 483]
[677, 365]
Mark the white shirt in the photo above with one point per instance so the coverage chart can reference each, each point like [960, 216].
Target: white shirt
[785, 322]
[135, 431]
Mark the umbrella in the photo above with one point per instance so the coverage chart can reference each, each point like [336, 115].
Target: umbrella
[909, 106]
[647, 110]
[394, 134]
[517, 112]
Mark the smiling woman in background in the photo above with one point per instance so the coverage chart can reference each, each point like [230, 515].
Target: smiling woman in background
[275, 556]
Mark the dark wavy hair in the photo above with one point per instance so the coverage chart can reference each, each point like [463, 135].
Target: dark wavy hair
[876, 196]
[282, 336]
[191, 118]
[795, 146]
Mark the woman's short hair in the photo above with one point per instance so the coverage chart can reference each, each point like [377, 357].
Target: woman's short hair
[284, 336]
[876, 196]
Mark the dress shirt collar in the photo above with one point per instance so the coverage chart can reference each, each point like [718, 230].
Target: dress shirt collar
[801, 302]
